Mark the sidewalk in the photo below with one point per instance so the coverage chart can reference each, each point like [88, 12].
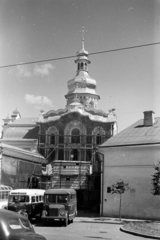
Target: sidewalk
[98, 220]
[117, 221]
[84, 216]
[108, 220]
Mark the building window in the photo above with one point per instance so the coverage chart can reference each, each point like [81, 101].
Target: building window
[75, 136]
[74, 155]
[61, 154]
[52, 139]
[51, 155]
[98, 139]
[85, 66]
[88, 155]
[61, 137]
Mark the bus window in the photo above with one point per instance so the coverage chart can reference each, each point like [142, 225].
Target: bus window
[4, 191]
[62, 199]
[33, 199]
[27, 198]
[37, 199]
[50, 198]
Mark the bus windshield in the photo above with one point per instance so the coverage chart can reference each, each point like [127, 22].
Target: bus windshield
[56, 198]
[18, 198]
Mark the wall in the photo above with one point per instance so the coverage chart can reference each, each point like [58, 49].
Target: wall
[134, 165]
[15, 172]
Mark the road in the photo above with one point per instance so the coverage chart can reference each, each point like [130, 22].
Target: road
[83, 230]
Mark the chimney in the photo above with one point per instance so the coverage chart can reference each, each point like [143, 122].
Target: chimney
[149, 118]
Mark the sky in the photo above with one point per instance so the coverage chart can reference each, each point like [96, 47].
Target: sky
[127, 80]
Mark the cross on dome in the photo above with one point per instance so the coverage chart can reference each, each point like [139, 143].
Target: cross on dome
[83, 31]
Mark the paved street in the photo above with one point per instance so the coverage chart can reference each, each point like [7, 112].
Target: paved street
[87, 229]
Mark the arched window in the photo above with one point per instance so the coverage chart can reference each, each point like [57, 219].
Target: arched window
[75, 136]
[78, 66]
[85, 66]
[52, 139]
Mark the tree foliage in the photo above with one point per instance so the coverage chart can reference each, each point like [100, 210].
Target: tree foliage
[156, 179]
[119, 188]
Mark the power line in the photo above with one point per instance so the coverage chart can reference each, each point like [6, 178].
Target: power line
[67, 57]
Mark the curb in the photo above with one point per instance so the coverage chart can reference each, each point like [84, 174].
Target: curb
[139, 234]
[98, 221]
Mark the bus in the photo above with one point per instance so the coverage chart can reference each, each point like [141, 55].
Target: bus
[28, 202]
[4, 193]
[59, 204]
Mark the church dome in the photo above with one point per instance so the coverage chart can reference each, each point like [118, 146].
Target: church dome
[82, 84]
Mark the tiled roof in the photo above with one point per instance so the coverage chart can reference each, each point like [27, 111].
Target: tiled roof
[136, 134]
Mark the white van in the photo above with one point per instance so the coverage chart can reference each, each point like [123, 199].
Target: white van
[28, 202]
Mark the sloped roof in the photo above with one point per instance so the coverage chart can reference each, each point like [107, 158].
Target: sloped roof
[24, 121]
[20, 153]
[136, 134]
[22, 128]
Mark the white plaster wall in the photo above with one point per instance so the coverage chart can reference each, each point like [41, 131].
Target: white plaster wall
[134, 165]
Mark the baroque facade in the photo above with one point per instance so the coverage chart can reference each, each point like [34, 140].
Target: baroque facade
[73, 133]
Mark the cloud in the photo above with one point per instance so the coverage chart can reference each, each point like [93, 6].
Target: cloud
[131, 8]
[43, 70]
[28, 71]
[37, 100]
[23, 71]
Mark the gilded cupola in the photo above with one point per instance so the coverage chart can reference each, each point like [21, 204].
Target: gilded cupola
[82, 88]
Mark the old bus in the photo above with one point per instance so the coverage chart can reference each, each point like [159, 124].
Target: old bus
[28, 202]
[4, 193]
[59, 204]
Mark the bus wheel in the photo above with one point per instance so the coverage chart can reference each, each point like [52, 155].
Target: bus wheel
[66, 222]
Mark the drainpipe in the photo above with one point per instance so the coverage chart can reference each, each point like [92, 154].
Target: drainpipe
[1, 155]
[101, 160]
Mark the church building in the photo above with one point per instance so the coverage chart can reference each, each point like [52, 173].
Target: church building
[67, 138]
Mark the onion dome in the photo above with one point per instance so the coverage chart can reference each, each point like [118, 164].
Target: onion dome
[82, 84]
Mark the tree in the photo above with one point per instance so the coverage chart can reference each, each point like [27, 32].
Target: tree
[156, 179]
[119, 188]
